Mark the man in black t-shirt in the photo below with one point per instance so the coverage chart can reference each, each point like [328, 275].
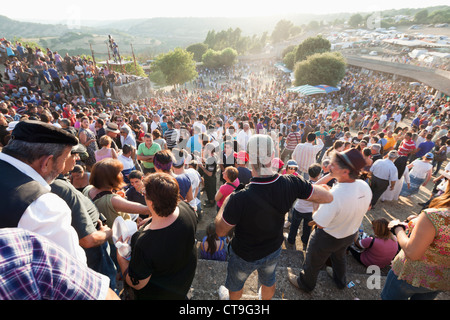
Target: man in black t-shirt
[257, 213]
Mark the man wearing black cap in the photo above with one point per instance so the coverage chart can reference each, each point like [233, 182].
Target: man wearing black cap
[86, 220]
[31, 161]
[337, 222]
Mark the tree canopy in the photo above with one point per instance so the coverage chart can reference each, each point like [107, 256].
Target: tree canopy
[216, 59]
[198, 49]
[311, 46]
[177, 66]
[321, 68]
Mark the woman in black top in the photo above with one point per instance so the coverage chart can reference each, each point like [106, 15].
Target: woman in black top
[164, 256]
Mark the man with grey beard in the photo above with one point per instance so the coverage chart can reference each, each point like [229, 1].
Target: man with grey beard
[29, 163]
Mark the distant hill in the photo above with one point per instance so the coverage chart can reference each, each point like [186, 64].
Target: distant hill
[156, 35]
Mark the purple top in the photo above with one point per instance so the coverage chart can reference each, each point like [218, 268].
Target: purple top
[34, 268]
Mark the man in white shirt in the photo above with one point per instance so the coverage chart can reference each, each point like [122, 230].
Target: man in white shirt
[243, 136]
[383, 119]
[305, 153]
[384, 175]
[155, 123]
[397, 117]
[199, 123]
[337, 222]
[31, 161]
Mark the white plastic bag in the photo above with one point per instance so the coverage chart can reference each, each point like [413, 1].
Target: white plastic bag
[122, 231]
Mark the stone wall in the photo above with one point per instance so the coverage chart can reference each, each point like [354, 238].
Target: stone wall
[139, 89]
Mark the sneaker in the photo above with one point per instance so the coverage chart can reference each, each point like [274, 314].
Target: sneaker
[287, 244]
[293, 279]
[329, 271]
[209, 204]
[223, 293]
[287, 224]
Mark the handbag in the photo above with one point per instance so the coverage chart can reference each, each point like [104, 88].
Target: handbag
[440, 156]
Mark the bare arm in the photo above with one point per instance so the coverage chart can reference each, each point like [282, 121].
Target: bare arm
[222, 228]
[96, 238]
[320, 194]
[124, 264]
[123, 205]
[421, 237]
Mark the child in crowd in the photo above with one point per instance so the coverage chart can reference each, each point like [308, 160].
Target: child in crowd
[231, 183]
[213, 247]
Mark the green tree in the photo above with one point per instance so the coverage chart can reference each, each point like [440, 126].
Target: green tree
[198, 49]
[281, 31]
[288, 49]
[289, 60]
[228, 57]
[178, 66]
[216, 59]
[440, 16]
[211, 58]
[421, 16]
[313, 25]
[311, 46]
[321, 68]
[355, 20]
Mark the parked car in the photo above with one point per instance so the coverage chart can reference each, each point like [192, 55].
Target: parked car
[373, 53]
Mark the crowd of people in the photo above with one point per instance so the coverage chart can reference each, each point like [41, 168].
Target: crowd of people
[240, 142]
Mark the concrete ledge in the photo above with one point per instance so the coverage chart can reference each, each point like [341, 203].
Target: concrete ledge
[128, 92]
[437, 79]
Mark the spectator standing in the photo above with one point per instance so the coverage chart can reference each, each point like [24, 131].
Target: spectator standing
[420, 270]
[292, 140]
[28, 164]
[256, 244]
[230, 176]
[156, 272]
[305, 153]
[208, 170]
[337, 223]
[384, 175]
[145, 153]
[420, 171]
[86, 220]
[407, 146]
[303, 210]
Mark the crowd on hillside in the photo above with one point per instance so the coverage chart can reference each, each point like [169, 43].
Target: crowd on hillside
[183, 145]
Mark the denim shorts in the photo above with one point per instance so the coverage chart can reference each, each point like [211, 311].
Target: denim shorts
[239, 270]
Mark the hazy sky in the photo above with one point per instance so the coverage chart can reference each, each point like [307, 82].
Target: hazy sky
[109, 10]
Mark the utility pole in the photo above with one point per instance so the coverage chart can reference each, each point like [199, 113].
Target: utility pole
[134, 58]
[93, 58]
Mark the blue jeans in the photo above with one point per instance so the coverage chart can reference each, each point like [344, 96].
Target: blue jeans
[296, 219]
[395, 289]
[99, 259]
[239, 270]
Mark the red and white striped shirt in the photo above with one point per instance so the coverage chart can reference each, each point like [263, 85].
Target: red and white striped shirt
[406, 147]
